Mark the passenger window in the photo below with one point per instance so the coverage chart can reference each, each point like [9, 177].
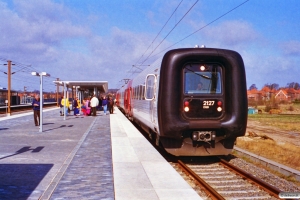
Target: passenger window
[150, 83]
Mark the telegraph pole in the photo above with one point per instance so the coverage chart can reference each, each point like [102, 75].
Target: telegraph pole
[25, 99]
[57, 92]
[8, 86]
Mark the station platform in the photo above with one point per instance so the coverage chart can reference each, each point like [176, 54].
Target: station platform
[83, 157]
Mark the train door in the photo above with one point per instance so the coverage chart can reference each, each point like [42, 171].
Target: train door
[129, 107]
[127, 99]
[150, 95]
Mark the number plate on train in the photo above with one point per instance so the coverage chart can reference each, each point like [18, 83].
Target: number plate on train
[208, 103]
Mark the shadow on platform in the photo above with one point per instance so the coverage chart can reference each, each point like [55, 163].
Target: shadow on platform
[18, 181]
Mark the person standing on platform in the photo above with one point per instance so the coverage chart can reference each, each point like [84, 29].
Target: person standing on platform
[75, 106]
[36, 109]
[67, 105]
[94, 104]
[104, 104]
[61, 107]
[110, 105]
[100, 103]
[87, 107]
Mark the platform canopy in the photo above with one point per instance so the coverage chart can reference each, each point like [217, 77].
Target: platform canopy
[102, 86]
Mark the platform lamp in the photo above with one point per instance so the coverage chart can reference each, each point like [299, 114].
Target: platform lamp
[41, 96]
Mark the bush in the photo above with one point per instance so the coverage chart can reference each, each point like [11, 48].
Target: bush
[275, 111]
[297, 101]
[268, 108]
[276, 106]
[291, 108]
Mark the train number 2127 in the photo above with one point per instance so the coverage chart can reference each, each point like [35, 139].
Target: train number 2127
[208, 103]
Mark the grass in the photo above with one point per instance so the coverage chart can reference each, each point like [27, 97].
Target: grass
[284, 122]
[286, 154]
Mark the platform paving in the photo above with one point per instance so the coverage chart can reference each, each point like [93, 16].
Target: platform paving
[90, 174]
[30, 161]
[140, 172]
[102, 157]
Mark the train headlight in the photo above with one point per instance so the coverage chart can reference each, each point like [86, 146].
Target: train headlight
[186, 106]
[219, 108]
[202, 68]
[195, 136]
[186, 109]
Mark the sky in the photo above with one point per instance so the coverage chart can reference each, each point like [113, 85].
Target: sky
[111, 40]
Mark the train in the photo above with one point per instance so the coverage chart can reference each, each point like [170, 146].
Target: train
[194, 103]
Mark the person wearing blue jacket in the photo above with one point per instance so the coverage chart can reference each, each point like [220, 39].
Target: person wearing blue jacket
[104, 104]
[36, 110]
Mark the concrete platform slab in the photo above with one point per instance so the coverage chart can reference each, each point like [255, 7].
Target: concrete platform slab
[102, 157]
[140, 172]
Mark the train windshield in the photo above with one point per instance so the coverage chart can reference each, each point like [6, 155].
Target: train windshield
[202, 79]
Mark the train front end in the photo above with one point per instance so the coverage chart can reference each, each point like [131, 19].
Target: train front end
[202, 101]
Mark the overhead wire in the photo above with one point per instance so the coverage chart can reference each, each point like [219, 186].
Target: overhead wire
[187, 35]
[202, 28]
[160, 30]
[23, 74]
[170, 31]
[133, 72]
[166, 35]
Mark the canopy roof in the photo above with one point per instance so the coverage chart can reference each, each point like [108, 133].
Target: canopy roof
[101, 86]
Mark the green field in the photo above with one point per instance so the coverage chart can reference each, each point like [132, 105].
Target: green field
[284, 153]
[288, 122]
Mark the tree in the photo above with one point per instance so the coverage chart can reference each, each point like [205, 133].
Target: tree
[273, 86]
[293, 85]
[253, 86]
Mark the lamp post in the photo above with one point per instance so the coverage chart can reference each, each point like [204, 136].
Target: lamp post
[65, 97]
[41, 96]
[64, 83]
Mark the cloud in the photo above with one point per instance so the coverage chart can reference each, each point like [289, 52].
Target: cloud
[35, 27]
[34, 10]
[115, 55]
[231, 33]
[262, 69]
[291, 48]
[124, 46]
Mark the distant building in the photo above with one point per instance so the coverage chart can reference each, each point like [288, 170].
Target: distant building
[265, 94]
[281, 95]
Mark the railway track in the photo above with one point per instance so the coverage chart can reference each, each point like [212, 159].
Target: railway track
[23, 108]
[222, 180]
[231, 186]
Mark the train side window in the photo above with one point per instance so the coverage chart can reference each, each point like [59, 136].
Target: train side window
[135, 92]
[142, 92]
[150, 83]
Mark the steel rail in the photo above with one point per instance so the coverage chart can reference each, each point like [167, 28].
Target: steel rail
[212, 193]
[273, 191]
[22, 108]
